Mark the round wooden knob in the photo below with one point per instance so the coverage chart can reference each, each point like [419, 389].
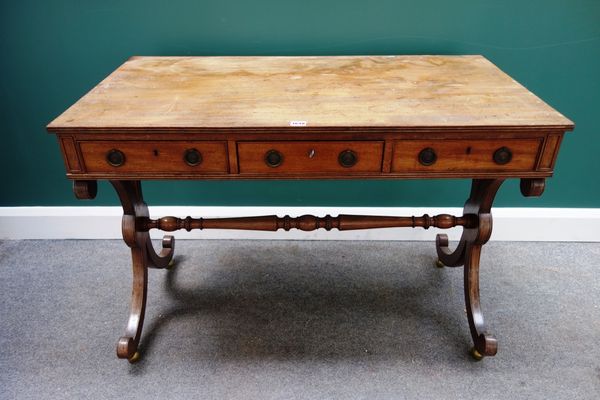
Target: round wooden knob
[273, 158]
[347, 158]
[192, 157]
[427, 156]
[115, 157]
[502, 156]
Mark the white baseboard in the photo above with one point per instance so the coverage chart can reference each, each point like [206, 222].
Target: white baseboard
[510, 224]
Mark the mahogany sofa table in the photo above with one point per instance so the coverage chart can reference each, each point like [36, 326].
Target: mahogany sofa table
[354, 117]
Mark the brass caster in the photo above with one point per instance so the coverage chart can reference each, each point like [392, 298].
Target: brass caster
[134, 358]
[171, 264]
[477, 356]
[439, 263]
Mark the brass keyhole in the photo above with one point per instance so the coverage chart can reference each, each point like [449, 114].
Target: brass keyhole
[311, 153]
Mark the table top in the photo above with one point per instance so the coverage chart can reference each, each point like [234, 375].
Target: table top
[200, 93]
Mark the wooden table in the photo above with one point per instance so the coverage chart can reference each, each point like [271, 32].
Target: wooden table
[384, 117]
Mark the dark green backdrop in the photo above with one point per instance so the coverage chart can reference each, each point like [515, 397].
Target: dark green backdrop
[52, 52]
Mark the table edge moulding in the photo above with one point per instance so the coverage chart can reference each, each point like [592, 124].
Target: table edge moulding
[319, 117]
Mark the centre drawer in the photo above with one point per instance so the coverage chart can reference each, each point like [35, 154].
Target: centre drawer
[136, 156]
[281, 157]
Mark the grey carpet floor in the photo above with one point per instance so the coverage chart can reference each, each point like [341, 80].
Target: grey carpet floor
[298, 320]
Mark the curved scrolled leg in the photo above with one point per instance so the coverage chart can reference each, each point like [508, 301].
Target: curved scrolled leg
[484, 344]
[479, 203]
[468, 252]
[127, 346]
[143, 256]
[447, 257]
[164, 259]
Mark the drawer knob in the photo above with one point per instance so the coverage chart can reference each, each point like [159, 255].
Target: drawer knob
[502, 156]
[115, 157]
[273, 158]
[192, 157]
[427, 156]
[347, 158]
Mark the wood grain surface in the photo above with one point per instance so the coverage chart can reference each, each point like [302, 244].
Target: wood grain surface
[200, 93]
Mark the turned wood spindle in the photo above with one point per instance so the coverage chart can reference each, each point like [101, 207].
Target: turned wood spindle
[306, 222]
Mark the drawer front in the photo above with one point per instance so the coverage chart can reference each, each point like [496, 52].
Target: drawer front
[472, 155]
[154, 156]
[281, 157]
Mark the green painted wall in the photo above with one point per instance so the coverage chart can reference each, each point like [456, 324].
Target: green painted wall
[52, 52]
